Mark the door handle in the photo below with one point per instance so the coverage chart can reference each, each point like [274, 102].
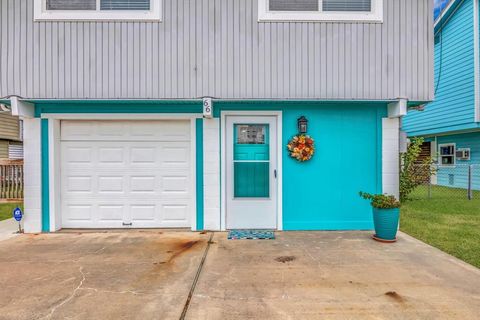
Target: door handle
[275, 173]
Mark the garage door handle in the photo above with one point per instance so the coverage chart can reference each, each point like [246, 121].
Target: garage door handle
[127, 224]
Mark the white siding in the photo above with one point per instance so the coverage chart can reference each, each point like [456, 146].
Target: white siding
[218, 48]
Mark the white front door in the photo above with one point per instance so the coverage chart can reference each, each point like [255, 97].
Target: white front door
[251, 171]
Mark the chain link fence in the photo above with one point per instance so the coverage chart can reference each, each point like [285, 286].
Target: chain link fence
[460, 181]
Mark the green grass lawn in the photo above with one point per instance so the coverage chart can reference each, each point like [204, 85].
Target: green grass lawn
[6, 210]
[447, 221]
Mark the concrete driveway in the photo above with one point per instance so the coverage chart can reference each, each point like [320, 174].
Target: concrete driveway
[300, 275]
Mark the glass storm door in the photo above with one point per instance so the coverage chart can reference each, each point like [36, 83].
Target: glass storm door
[251, 172]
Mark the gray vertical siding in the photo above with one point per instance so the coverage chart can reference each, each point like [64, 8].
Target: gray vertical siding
[217, 48]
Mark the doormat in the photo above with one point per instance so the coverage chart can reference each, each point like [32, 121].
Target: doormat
[251, 235]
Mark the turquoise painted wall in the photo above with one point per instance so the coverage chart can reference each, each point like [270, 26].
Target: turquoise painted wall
[457, 176]
[322, 194]
[453, 108]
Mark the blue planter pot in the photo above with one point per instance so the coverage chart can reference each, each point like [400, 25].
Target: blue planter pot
[386, 223]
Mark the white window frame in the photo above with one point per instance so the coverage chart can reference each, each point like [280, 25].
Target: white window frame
[42, 14]
[454, 155]
[265, 15]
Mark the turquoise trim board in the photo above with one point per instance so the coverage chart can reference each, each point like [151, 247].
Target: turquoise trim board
[199, 173]
[45, 176]
[118, 106]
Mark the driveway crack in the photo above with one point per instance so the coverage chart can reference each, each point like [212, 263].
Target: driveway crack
[79, 287]
[195, 280]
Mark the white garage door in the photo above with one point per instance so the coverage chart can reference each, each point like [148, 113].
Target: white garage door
[118, 174]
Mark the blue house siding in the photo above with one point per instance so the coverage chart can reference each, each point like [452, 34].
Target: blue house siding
[457, 176]
[453, 108]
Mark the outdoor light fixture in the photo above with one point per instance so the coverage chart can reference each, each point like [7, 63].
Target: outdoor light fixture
[302, 124]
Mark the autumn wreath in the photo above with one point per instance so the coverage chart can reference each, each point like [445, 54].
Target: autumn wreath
[301, 147]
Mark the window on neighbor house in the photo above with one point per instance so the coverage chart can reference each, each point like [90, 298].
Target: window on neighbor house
[447, 154]
[321, 10]
[93, 10]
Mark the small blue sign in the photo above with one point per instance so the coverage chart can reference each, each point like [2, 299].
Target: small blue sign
[17, 214]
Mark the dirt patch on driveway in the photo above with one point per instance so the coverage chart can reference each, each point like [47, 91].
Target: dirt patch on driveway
[98, 275]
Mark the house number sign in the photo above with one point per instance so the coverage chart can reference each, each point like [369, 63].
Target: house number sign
[207, 108]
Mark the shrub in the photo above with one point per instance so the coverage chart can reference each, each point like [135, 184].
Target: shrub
[381, 201]
[414, 172]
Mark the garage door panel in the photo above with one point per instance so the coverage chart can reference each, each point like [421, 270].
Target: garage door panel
[108, 183]
[79, 130]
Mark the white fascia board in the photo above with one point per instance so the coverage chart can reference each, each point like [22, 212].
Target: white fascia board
[22, 109]
[397, 109]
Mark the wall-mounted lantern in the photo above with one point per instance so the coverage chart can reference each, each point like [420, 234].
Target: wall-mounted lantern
[302, 124]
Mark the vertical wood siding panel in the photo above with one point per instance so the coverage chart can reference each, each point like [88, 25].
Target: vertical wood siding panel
[198, 48]
[408, 52]
[118, 60]
[154, 61]
[211, 49]
[10, 46]
[218, 47]
[415, 50]
[360, 67]
[55, 61]
[180, 85]
[16, 76]
[193, 49]
[23, 46]
[42, 70]
[3, 46]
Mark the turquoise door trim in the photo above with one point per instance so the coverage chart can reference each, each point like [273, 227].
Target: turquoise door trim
[45, 176]
[199, 173]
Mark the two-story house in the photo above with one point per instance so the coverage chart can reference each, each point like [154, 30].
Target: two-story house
[451, 123]
[177, 113]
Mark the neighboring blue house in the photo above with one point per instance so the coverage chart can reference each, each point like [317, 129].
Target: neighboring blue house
[177, 113]
[451, 123]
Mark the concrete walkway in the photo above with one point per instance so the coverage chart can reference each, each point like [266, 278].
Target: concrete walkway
[8, 229]
[300, 275]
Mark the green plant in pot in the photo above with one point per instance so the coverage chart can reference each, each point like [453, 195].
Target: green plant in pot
[386, 214]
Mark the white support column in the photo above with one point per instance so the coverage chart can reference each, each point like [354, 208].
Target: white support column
[32, 175]
[391, 156]
[211, 173]
[54, 174]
